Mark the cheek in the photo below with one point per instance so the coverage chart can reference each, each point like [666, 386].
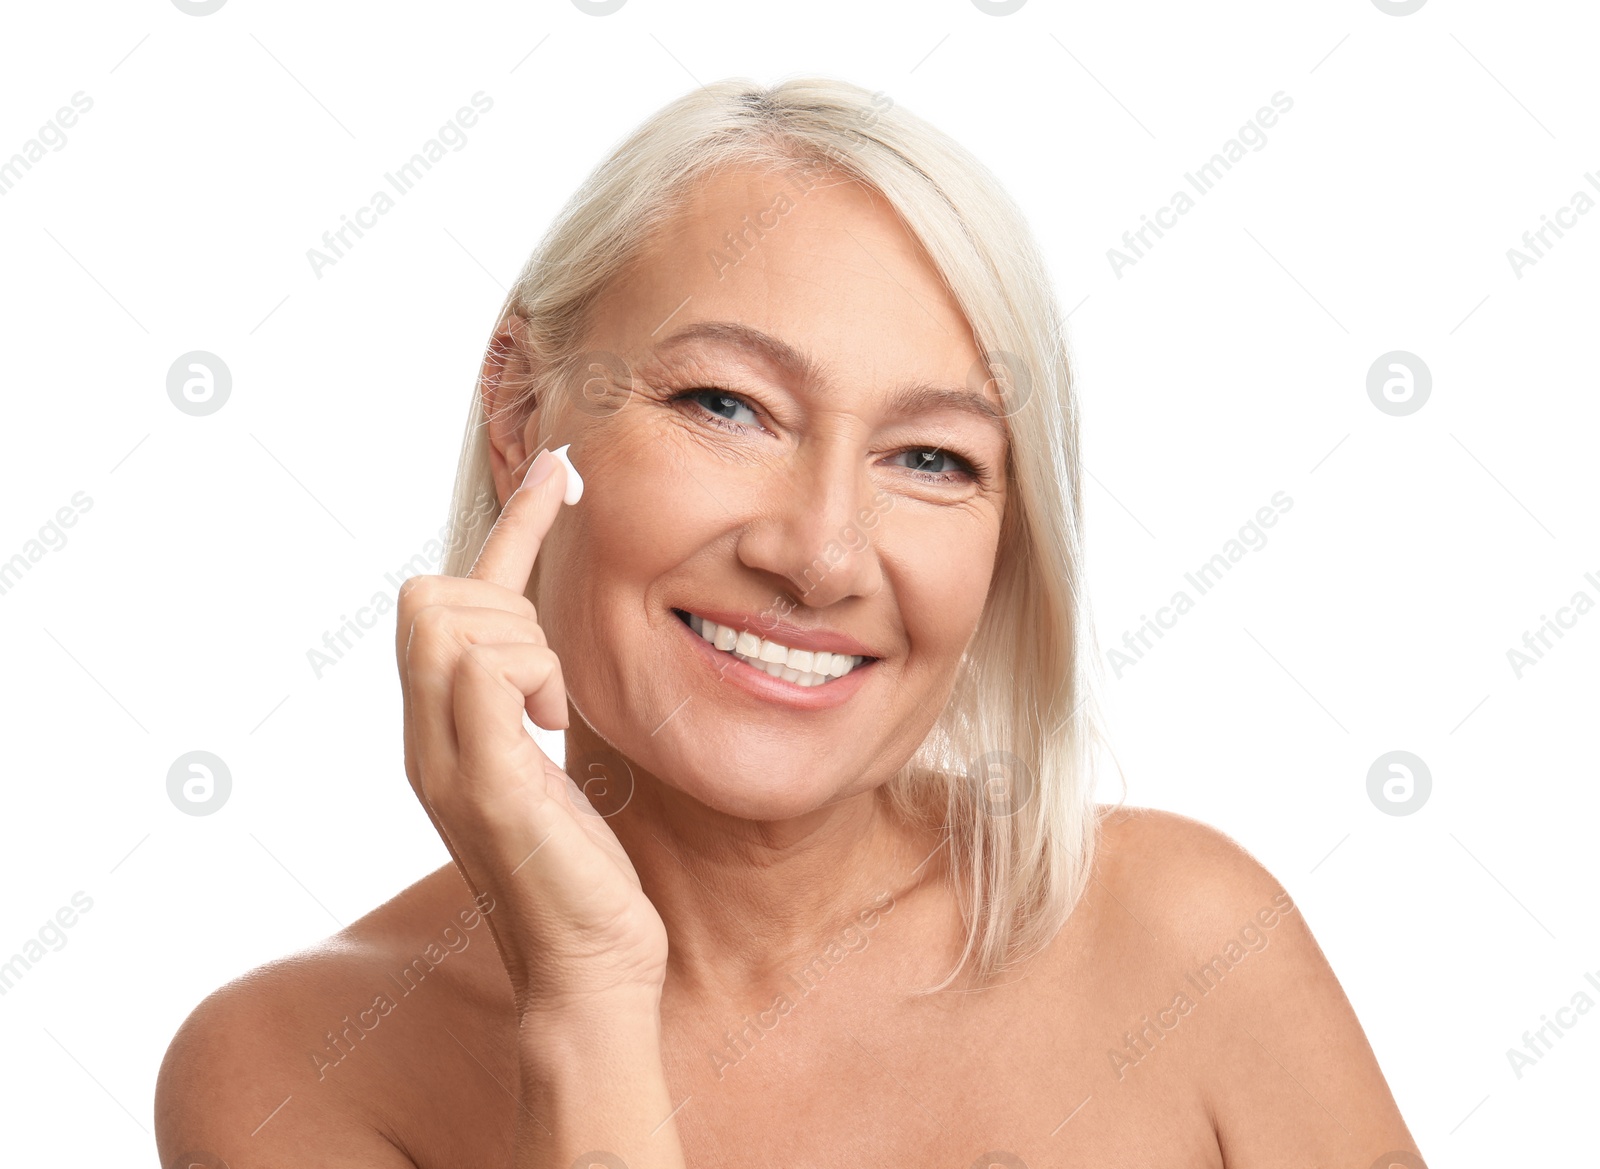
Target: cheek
[629, 493]
[635, 523]
[942, 562]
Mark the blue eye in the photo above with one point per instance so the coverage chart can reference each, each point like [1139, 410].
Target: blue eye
[720, 400]
[932, 464]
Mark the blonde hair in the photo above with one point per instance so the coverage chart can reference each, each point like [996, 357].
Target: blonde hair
[1019, 863]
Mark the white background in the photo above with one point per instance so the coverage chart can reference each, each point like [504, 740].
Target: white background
[1227, 364]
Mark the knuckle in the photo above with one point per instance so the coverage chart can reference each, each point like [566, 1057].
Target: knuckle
[413, 590]
[484, 669]
[430, 635]
[474, 658]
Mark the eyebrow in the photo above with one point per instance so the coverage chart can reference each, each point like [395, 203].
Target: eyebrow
[908, 398]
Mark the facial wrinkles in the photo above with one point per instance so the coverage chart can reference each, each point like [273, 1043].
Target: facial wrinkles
[811, 459]
[825, 467]
[786, 424]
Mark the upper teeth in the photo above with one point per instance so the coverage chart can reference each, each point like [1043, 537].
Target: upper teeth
[802, 666]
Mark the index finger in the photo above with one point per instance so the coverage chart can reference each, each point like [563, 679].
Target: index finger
[513, 543]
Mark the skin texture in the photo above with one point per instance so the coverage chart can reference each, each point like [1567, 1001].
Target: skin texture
[755, 830]
[792, 845]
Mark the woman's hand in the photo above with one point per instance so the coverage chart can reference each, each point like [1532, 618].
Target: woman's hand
[573, 927]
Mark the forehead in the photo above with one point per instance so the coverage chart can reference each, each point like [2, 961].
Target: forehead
[820, 262]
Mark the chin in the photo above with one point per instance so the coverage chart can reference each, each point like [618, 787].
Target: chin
[756, 792]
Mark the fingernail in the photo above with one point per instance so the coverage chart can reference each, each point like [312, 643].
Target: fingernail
[574, 480]
[539, 470]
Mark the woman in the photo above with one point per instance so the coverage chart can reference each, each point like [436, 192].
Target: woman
[814, 635]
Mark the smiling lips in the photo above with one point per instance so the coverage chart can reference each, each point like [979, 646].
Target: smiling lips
[803, 667]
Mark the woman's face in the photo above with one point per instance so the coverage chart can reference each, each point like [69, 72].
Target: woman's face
[761, 458]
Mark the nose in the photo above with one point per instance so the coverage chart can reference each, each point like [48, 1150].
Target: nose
[817, 529]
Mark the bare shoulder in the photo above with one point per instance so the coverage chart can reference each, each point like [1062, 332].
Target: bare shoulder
[1288, 1073]
[1170, 854]
[257, 1073]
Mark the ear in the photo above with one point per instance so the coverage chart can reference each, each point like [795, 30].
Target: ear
[510, 411]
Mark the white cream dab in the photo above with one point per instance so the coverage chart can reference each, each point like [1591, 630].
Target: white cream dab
[574, 480]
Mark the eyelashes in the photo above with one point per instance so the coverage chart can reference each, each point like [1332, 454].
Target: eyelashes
[714, 392]
[972, 469]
